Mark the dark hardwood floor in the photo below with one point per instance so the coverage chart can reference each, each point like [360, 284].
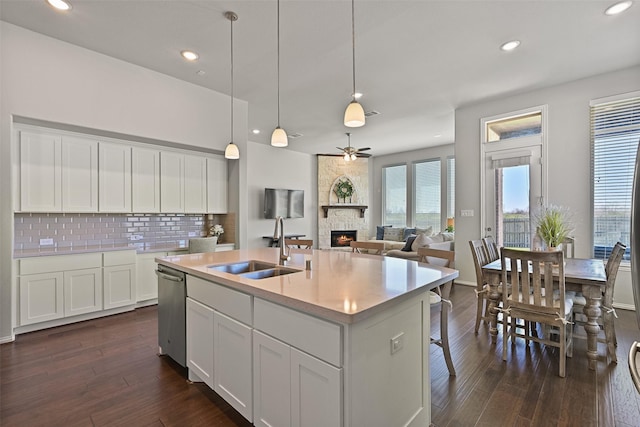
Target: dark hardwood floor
[106, 372]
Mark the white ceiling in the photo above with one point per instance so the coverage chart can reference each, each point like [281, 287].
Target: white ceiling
[416, 61]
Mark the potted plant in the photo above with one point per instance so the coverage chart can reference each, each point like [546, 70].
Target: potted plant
[553, 225]
[216, 231]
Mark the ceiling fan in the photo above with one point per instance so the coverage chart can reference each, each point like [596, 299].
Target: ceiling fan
[352, 153]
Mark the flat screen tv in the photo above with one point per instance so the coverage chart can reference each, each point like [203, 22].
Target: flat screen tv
[284, 203]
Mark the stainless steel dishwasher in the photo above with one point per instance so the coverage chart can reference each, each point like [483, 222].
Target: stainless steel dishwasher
[172, 294]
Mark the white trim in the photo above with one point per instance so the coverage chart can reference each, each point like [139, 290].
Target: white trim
[614, 98]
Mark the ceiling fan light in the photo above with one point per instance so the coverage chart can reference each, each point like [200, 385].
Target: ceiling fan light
[279, 138]
[354, 115]
[231, 152]
[346, 157]
[353, 156]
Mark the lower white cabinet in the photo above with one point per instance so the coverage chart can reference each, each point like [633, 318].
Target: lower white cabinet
[232, 363]
[41, 297]
[119, 278]
[200, 340]
[82, 291]
[146, 279]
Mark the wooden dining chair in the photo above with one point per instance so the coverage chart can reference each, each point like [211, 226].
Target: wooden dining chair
[299, 243]
[480, 258]
[367, 247]
[537, 295]
[492, 249]
[607, 318]
[439, 297]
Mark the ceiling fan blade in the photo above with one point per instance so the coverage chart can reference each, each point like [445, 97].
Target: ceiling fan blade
[363, 155]
[342, 149]
[364, 149]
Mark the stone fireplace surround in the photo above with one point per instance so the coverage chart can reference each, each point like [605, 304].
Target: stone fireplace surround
[332, 169]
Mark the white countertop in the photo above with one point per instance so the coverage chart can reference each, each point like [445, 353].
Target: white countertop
[341, 286]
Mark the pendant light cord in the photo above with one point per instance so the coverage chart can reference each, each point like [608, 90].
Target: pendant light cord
[353, 46]
[278, 68]
[232, 18]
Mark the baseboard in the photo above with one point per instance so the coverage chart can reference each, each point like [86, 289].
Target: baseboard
[73, 319]
[5, 340]
[630, 307]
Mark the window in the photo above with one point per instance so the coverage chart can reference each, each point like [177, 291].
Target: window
[395, 195]
[514, 127]
[451, 187]
[426, 185]
[615, 131]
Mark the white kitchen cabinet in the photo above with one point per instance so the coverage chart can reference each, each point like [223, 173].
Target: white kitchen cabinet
[195, 184]
[41, 297]
[271, 381]
[119, 278]
[79, 175]
[146, 279]
[114, 177]
[232, 363]
[171, 182]
[217, 185]
[40, 172]
[316, 392]
[145, 180]
[200, 340]
[82, 291]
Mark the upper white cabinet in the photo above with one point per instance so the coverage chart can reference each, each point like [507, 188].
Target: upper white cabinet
[145, 180]
[114, 176]
[171, 182]
[58, 173]
[195, 184]
[217, 184]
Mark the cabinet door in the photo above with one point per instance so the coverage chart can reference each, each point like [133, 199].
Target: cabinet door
[145, 180]
[217, 185]
[114, 177]
[119, 283]
[146, 279]
[271, 381]
[232, 363]
[79, 175]
[200, 341]
[41, 297]
[40, 172]
[195, 184]
[171, 182]
[82, 291]
[316, 392]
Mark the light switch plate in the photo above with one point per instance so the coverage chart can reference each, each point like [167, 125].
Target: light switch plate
[466, 212]
[397, 343]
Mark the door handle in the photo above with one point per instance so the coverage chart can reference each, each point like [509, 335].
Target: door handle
[169, 277]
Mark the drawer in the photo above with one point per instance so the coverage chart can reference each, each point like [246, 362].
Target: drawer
[118, 258]
[54, 263]
[313, 335]
[221, 298]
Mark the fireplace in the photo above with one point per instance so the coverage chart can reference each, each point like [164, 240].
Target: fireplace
[342, 238]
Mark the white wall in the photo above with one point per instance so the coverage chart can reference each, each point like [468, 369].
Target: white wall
[408, 157]
[270, 167]
[45, 79]
[569, 159]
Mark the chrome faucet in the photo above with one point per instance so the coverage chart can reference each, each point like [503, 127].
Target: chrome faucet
[284, 251]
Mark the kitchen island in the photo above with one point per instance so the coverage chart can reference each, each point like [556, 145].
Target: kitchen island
[345, 343]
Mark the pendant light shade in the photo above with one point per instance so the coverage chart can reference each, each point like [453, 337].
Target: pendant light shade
[279, 136]
[354, 114]
[231, 152]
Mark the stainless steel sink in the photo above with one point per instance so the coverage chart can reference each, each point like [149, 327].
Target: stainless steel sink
[243, 267]
[272, 272]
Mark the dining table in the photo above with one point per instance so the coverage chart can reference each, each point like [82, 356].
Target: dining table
[584, 275]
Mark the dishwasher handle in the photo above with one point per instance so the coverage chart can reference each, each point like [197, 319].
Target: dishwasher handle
[169, 277]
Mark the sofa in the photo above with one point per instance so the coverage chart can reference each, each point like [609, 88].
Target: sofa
[400, 242]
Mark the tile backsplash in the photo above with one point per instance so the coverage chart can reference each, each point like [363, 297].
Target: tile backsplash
[66, 230]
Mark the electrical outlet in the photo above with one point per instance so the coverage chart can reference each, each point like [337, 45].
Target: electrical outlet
[397, 343]
[136, 237]
[192, 234]
[46, 242]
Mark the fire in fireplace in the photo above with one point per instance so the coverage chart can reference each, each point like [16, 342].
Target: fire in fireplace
[342, 238]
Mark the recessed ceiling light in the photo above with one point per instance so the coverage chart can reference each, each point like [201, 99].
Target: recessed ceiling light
[357, 95]
[510, 45]
[618, 8]
[201, 72]
[437, 135]
[60, 4]
[189, 55]
[256, 131]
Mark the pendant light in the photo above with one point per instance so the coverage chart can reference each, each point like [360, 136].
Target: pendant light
[231, 152]
[354, 114]
[279, 136]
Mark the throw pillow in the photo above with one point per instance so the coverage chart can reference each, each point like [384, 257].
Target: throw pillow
[408, 232]
[421, 241]
[428, 231]
[394, 234]
[380, 231]
[410, 239]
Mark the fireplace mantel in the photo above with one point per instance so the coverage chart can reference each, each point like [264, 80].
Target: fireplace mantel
[361, 208]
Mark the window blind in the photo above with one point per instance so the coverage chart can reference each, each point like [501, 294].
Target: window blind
[615, 132]
[427, 190]
[395, 195]
[451, 187]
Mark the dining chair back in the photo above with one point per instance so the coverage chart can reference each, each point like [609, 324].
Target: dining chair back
[441, 296]
[299, 243]
[480, 258]
[491, 248]
[367, 247]
[537, 294]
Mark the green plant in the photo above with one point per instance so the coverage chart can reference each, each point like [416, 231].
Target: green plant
[553, 225]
